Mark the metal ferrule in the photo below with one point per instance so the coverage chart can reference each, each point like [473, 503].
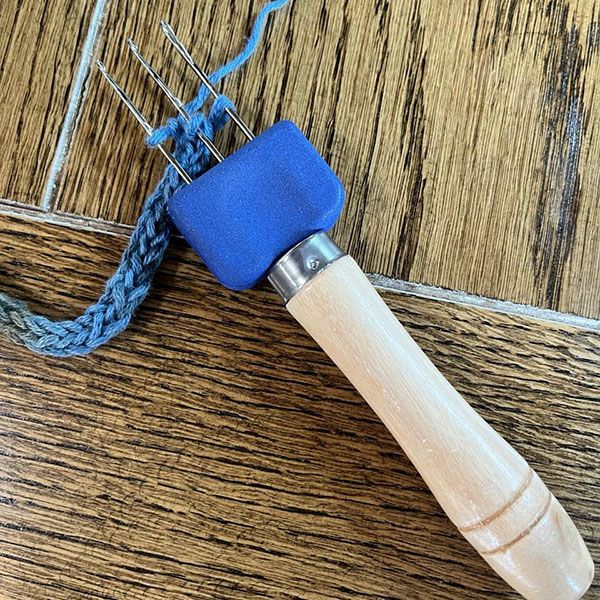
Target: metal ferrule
[303, 262]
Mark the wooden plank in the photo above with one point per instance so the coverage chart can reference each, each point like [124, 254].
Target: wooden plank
[510, 161]
[39, 54]
[466, 136]
[213, 451]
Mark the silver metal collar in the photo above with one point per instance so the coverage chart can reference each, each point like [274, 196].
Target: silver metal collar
[303, 262]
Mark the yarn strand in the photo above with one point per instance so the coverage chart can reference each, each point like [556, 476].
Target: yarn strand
[129, 285]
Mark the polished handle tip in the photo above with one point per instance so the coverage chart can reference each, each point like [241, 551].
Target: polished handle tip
[548, 561]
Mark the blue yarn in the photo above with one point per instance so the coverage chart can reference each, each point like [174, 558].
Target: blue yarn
[129, 285]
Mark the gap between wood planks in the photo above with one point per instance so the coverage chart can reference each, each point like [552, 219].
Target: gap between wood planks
[32, 213]
[75, 100]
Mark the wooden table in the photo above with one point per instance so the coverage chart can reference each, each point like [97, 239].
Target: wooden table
[212, 450]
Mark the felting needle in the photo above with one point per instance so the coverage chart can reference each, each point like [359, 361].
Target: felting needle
[175, 101]
[142, 121]
[201, 74]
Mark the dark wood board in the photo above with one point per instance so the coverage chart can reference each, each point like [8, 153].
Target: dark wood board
[212, 451]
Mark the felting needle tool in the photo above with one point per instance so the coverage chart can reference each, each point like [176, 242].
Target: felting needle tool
[263, 213]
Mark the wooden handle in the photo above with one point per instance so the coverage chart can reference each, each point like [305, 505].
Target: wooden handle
[487, 489]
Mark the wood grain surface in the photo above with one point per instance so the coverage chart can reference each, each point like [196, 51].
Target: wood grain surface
[466, 133]
[40, 47]
[213, 451]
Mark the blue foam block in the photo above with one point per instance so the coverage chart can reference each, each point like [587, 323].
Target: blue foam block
[244, 213]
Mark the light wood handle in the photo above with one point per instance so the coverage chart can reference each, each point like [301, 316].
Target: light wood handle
[487, 489]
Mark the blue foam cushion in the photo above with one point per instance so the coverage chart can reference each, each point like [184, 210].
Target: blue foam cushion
[244, 213]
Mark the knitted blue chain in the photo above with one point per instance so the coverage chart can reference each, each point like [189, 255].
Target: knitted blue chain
[129, 285]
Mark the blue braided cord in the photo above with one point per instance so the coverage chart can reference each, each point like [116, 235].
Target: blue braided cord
[130, 284]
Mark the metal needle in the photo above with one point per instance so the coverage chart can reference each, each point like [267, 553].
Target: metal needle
[172, 37]
[175, 101]
[143, 122]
